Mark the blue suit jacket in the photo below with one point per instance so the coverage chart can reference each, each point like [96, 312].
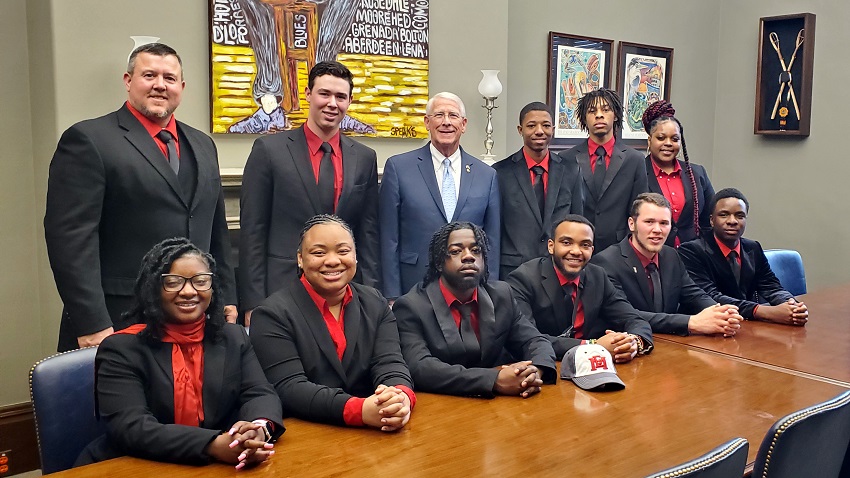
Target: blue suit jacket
[411, 211]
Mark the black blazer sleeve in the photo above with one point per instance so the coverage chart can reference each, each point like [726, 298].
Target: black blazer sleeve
[701, 178]
[300, 360]
[136, 399]
[619, 312]
[256, 202]
[766, 283]
[697, 257]
[525, 293]
[527, 343]
[220, 247]
[430, 373]
[368, 240]
[75, 192]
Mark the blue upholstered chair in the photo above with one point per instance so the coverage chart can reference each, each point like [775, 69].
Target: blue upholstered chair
[788, 267]
[726, 461]
[809, 442]
[62, 393]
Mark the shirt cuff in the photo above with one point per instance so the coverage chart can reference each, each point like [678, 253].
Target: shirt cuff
[756, 308]
[410, 395]
[352, 414]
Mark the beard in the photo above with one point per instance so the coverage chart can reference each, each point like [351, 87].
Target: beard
[462, 282]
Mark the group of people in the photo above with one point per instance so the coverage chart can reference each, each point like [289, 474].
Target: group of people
[356, 294]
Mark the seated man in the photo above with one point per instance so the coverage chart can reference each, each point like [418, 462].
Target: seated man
[632, 263]
[734, 270]
[594, 312]
[461, 334]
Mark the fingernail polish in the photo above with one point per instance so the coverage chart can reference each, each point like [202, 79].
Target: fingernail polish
[234, 443]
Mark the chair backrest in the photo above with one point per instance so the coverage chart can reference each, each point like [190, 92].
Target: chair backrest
[726, 461]
[810, 442]
[788, 267]
[62, 393]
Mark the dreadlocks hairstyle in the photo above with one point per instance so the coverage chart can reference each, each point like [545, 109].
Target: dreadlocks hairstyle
[438, 250]
[147, 303]
[323, 219]
[591, 98]
[658, 113]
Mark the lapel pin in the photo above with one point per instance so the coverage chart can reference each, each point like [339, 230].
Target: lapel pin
[635, 269]
[468, 169]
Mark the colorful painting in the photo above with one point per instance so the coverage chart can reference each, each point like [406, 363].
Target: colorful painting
[263, 50]
[579, 70]
[644, 86]
[577, 65]
[643, 78]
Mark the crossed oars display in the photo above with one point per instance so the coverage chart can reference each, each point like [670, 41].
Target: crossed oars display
[785, 76]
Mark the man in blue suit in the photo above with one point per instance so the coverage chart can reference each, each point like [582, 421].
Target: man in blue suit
[426, 188]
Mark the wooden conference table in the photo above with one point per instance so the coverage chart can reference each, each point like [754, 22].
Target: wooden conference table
[820, 350]
[679, 402]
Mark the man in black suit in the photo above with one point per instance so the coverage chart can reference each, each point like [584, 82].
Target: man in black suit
[120, 184]
[594, 312]
[535, 186]
[632, 263]
[461, 334]
[734, 270]
[292, 176]
[613, 173]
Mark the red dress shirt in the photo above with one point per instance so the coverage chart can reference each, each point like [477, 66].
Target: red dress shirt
[352, 414]
[578, 323]
[453, 303]
[543, 163]
[313, 145]
[592, 146]
[645, 262]
[153, 129]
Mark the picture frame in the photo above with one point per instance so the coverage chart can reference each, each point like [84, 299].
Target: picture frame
[577, 64]
[643, 77]
[783, 105]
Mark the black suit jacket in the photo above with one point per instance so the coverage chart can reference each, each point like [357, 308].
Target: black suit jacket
[279, 194]
[524, 230]
[709, 269]
[540, 296]
[432, 347]
[112, 196]
[135, 394]
[680, 295]
[684, 227]
[300, 359]
[625, 178]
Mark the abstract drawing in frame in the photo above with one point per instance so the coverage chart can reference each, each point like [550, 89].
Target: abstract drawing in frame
[577, 64]
[261, 52]
[643, 77]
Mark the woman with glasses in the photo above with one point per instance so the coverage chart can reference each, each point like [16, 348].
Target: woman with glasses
[182, 385]
[330, 346]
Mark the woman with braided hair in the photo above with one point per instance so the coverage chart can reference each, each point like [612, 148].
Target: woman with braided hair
[683, 183]
[182, 385]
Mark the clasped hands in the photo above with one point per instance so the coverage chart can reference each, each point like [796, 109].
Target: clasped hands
[243, 445]
[519, 378]
[387, 409]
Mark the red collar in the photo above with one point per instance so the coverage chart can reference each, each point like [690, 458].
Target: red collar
[320, 301]
[544, 163]
[562, 279]
[152, 128]
[314, 142]
[725, 250]
[642, 258]
[593, 145]
[451, 299]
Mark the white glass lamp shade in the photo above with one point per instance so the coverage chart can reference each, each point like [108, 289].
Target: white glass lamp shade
[490, 87]
[140, 40]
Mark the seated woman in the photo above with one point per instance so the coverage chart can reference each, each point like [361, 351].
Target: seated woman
[684, 184]
[329, 346]
[182, 385]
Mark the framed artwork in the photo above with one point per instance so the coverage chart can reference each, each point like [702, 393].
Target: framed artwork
[784, 76]
[643, 78]
[261, 52]
[577, 65]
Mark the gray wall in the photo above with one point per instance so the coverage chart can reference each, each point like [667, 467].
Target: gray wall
[66, 66]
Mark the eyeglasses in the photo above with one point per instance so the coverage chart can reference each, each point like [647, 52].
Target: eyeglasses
[443, 114]
[175, 283]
